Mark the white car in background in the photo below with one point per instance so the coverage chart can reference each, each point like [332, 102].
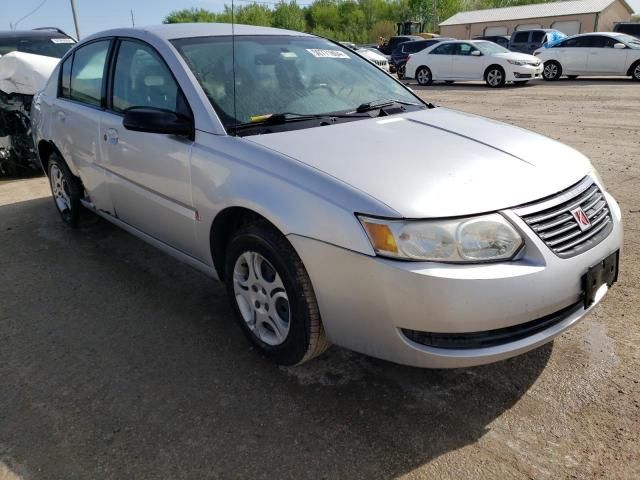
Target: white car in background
[592, 54]
[377, 58]
[472, 60]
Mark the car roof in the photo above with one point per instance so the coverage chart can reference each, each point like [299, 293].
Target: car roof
[32, 34]
[174, 31]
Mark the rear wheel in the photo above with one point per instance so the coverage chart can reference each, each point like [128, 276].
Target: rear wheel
[401, 72]
[494, 76]
[272, 296]
[635, 71]
[423, 76]
[552, 70]
[66, 189]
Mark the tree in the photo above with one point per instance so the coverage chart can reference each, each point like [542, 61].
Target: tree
[190, 15]
[289, 16]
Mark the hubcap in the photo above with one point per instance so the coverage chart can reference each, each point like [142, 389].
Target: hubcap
[60, 189]
[261, 298]
[636, 72]
[550, 71]
[494, 77]
[423, 76]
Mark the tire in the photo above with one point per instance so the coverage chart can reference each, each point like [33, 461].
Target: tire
[572, 77]
[495, 76]
[552, 71]
[423, 76]
[266, 282]
[66, 189]
[635, 71]
[401, 72]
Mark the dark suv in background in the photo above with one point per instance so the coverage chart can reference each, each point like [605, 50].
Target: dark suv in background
[629, 28]
[528, 41]
[393, 42]
[502, 40]
[401, 53]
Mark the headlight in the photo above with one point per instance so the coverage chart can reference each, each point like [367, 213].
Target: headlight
[475, 239]
[517, 62]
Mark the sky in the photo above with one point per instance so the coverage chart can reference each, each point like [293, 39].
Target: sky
[96, 15]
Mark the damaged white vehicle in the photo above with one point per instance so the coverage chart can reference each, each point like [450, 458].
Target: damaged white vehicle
[27, 59]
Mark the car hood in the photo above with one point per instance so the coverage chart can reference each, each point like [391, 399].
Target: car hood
[437, 162]
[516, 56]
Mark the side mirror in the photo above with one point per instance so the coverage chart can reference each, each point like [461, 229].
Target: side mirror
[155, 120]
[476, 53]
[619, 46]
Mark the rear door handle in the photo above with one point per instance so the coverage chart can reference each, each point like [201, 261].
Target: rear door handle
[62, 116]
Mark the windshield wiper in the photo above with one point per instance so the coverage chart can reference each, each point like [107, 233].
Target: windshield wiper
[384, 102]
[287, 117]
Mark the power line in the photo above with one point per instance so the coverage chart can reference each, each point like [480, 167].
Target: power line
[14, 25]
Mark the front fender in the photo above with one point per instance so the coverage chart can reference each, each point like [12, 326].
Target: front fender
[231, 172]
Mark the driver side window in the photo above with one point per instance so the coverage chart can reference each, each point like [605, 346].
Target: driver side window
[465, 49]
[142, 79]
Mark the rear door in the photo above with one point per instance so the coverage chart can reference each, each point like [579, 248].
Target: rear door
[465, 65]
[150, 172]
[440, 61]
[77, 113]
[603, 58]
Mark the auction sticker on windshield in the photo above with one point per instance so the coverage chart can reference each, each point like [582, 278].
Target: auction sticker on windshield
[321, 53]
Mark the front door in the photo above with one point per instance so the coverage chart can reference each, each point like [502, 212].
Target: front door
[440, 61]
[465, 65]
[149, 173]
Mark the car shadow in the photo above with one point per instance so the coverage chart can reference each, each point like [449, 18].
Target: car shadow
[119, 362]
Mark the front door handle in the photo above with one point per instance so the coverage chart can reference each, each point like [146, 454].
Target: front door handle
[111, 136]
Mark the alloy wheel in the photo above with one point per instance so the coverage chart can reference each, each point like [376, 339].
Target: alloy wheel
[424, 77]
[550, 71]
[636, 72]
[494, 77]
[262, 298]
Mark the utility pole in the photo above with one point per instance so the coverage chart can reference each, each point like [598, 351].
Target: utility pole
[133, 21]
[75, 18]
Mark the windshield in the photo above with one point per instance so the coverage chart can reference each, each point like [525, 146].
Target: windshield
[49, 47]
[490, 48]
[294, 74]
[633, 42]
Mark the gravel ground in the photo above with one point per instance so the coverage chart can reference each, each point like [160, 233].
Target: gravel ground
[118, 362]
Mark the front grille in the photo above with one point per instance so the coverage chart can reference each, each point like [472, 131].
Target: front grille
[490, 338]
[553, 222]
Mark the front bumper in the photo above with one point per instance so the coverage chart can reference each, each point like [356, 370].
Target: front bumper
[524, 72]
[366, 302]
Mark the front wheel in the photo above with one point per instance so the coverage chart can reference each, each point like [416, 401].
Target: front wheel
[423, 76]
[272, 296]
[495, 77]
[552, 71]
[66, 189]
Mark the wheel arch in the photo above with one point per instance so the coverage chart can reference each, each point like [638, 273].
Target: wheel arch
[224, 224]
[632, 67]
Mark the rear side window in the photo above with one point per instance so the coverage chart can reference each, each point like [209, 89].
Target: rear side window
[142, 79]
[65, 78]
[87, 72]
[536, 37]
[521, 37]
[448, 49]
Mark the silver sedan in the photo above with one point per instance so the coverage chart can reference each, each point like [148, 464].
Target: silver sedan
[268, 159]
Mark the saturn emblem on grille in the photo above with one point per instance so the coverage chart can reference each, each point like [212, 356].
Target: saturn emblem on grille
[581, 218]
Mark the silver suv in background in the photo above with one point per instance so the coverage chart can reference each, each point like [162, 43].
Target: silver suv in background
[277, 172]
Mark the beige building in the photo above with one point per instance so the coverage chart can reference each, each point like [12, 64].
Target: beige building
[570, 17]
